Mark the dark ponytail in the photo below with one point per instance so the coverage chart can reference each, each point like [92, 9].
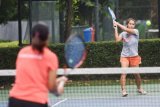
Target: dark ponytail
[39, 35]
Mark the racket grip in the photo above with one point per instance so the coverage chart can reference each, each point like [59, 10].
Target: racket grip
[115, 27]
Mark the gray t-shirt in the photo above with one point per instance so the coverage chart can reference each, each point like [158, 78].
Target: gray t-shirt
[130, 44]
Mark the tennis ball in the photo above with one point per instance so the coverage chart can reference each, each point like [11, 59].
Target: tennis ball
[148, 23]
[70, 61]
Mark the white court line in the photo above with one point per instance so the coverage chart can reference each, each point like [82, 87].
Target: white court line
[59, 102]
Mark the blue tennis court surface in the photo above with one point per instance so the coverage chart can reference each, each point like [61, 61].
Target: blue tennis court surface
[130, 101]
[138, 101]
[108, 96]
[103, 92]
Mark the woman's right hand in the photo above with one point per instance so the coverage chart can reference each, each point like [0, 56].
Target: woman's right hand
[61, 81]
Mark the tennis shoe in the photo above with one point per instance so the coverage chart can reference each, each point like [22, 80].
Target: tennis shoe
[124, 93]
[141, 91]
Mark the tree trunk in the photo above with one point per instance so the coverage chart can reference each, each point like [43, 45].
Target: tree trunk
[154, 11]
[90, 18]
[68, 19]
[61, 26]
[159, 17]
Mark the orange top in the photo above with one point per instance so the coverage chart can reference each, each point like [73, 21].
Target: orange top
[32, 69]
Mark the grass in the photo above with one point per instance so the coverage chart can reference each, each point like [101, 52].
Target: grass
[9, 44]
[4, 44]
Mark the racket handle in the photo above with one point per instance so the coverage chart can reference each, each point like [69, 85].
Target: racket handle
[115, 27]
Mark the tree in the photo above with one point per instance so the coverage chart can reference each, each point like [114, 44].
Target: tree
[86, 12]
[8, 10]
[77, 12]
[154, 13]
[138, 9]
[73, 14]
[68, 19]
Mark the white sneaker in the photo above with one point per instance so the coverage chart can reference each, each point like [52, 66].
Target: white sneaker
[141, 91]
[124, 93]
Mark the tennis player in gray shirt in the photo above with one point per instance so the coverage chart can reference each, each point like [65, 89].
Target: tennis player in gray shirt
[129, 55]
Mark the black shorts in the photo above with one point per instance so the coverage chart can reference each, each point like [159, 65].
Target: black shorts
[13, 102]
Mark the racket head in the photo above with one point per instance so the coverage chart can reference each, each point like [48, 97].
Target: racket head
[75, 52]
[112, 13]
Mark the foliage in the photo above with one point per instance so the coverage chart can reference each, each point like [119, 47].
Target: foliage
[100, 54]
[9, 10]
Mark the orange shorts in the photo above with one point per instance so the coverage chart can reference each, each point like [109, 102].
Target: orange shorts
[133, 61]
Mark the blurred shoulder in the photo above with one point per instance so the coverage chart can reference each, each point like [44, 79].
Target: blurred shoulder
[123, 33]
[136, 31]
[25, 49]
[49, 53]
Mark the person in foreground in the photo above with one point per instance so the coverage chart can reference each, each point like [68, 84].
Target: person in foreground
[129, 55]
[36, 68]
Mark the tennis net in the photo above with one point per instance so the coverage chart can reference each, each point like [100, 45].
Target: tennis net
[98, 87]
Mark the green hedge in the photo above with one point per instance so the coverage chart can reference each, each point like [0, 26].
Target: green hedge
[100, 54]
[107, 54]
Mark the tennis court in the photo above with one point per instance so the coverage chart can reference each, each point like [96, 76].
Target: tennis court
[83, 90]
[82, 33]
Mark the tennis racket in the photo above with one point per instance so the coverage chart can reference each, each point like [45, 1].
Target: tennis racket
[112, 14]
[75, 52]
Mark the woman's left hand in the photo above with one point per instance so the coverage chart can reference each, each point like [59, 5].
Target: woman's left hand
[120, 25]
[114, 23]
